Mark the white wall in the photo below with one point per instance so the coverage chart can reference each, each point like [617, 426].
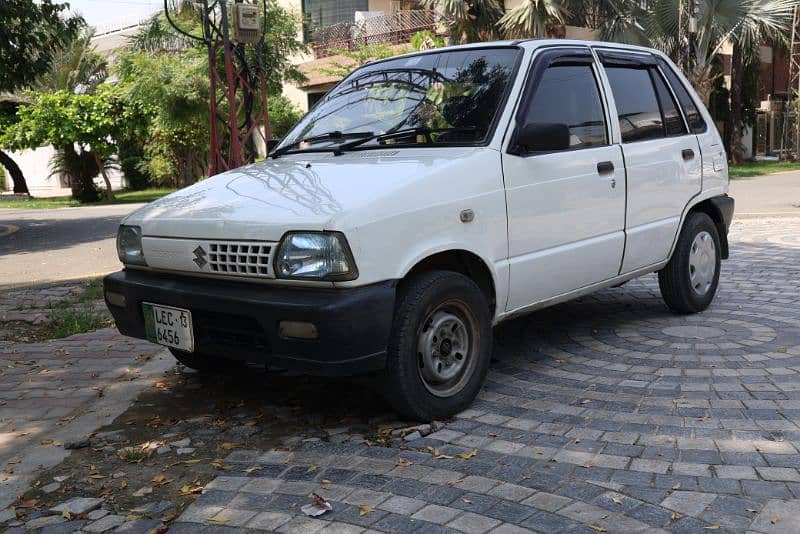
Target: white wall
[35, 167]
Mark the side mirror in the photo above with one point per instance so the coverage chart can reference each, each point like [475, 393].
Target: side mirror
[271, 144]
[542, 137]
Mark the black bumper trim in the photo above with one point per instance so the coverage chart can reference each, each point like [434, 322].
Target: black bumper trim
[724, 206]
[239, 320]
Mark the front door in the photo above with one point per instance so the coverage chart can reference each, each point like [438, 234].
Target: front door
[566, 204]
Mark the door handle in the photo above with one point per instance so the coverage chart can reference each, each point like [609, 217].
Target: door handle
[605, 167]
[687, 154]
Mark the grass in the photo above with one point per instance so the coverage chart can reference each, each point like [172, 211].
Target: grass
[77, 316]
[120, 197]
[758, 168]
[68, 322]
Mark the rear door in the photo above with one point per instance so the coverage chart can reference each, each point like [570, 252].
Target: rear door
[662, 157]
[566, 205]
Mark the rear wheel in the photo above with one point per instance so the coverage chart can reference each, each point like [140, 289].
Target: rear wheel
[205, 363]
[440, 346]
[689, 281]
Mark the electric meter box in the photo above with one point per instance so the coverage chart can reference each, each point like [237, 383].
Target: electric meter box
[246, 23]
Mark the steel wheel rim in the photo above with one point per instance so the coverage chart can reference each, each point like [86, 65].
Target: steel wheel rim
[446, 349]
[702, 263]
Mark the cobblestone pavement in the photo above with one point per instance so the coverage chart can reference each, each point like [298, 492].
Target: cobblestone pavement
[59, 391]
[606, 414]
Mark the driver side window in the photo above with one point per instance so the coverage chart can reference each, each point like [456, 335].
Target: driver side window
[567, 103]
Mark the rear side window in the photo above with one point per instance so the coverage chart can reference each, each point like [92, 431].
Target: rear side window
[673, 122]
[637, 104]
[693, 117]
[568, 95]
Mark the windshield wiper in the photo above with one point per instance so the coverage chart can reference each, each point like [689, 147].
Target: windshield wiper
[418, 130]
[327, 136]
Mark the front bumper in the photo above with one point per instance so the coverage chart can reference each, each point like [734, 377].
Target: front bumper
[239, 320]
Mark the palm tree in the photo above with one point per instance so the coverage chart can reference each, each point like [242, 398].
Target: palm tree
[76, 67]
[533, 18]
[658, 23]
[471, 20]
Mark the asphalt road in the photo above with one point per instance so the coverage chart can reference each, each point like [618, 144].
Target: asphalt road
[772, 195]
[48, 245]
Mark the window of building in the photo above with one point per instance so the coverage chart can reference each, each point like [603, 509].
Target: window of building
[637, 106]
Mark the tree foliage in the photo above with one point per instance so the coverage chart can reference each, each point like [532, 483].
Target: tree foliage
[472, 21]
[75, 67]
[91, 122]
[168, 95]
[532, 18]
[32, 33]
[658, 24]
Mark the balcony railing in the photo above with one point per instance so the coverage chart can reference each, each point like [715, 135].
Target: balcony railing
[388, 29]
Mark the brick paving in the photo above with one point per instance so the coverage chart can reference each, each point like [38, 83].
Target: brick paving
[62, 390]
[605, 414]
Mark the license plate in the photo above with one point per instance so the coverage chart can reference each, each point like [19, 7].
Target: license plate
[168, 326]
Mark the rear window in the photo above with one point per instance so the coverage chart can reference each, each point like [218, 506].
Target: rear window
[637, 104]
[673, 122]
[693, 116]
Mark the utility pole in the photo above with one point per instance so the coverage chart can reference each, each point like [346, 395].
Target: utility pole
[238, 96]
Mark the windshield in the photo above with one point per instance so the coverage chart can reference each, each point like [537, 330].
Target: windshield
[459, 91]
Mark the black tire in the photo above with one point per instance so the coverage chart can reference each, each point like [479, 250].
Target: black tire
[674, 280]
[205, 363]
[426, 303]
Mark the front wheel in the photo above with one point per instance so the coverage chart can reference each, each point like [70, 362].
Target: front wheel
[440, 346]
[689, 281]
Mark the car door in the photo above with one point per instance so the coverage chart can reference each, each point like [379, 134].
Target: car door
[565, 199]
[662, 157]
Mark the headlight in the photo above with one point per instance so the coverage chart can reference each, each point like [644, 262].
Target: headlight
[315, 256]
[129, 245]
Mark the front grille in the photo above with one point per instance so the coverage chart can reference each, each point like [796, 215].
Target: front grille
[240, 258]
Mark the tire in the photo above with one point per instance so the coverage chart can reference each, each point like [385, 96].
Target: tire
[419, 384]
[205, 363]
[687, 283]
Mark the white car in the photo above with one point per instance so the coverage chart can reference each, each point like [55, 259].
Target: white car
[426, 198]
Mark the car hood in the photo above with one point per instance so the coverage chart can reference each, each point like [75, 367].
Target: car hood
[316, 191]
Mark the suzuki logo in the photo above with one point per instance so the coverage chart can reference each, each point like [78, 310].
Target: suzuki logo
[200, 257]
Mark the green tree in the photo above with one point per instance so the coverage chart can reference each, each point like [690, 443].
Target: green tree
[168, 95]
[75, 67]
[32, 32]
[165, 76]
[659, 23]
[532, 18]
[472, 21]
[90, 121]
[282, 115]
